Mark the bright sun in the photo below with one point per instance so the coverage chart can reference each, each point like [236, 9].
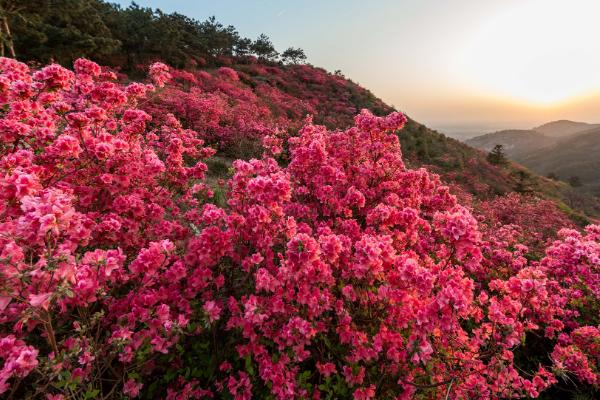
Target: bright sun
[541, 52]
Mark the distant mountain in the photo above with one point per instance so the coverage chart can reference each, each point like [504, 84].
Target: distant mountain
[576, 155]
[562, 148]
[521, 145]
[518, 144]
[564, 128]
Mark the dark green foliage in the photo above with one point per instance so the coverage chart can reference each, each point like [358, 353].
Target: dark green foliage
[63, 30]
[264, 49]
[293, 56]
[497, 156]
[524, 182]
[244, 148]
[243, 47]
[60, 30]
[10, 10]
[218, 167]
[533, 352]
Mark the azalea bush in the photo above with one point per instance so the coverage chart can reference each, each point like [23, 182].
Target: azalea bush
[535, 221]
[333, 271]
[87, 188]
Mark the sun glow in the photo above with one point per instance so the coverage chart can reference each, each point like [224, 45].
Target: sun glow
[540, 52]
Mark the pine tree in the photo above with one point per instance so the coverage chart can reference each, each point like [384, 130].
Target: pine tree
[524, 182]
[264, 49]
[497, 156]
[10, 10]
[293, 56]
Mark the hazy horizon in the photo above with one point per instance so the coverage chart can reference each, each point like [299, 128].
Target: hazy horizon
[473, 65]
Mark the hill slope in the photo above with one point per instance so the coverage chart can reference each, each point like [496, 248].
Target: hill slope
[468, 170]
[236, 91]
[518, 144]
[573, 156]
[219, 102]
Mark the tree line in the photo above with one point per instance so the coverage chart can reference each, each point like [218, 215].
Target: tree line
[63, 30]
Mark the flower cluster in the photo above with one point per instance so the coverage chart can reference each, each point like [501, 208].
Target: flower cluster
[159, 73]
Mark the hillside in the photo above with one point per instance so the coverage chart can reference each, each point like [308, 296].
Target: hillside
[573, 156]
[517, 144]
[468, 171]
[521, 143]
[219, 102]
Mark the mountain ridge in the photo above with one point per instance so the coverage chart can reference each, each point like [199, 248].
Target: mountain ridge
[564, 127]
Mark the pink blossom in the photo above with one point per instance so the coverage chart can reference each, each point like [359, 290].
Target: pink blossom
[212, 310]
[326, 369]
[132, 388]
[159, 73]
[40, 300]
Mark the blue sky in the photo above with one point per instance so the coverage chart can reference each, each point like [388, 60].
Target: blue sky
[454, 65]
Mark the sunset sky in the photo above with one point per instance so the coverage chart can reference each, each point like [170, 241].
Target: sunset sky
[458, 66]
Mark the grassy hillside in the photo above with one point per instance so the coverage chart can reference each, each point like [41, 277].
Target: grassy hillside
[468, 169]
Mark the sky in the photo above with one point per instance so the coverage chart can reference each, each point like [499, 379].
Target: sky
[460, 66]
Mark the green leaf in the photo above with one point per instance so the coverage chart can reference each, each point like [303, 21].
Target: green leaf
[249, 367]
[91, 394]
